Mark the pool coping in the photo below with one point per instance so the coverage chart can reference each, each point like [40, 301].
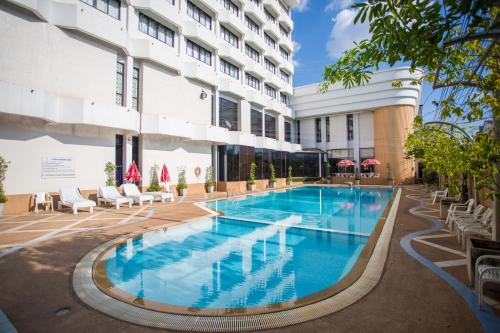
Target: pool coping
[347, 291]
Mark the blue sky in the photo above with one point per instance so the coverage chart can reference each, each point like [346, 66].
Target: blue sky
[323, 29]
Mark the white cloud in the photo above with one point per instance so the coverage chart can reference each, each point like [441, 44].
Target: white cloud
[344, 33]
[335, 5]
[296, 46]
[302, 6]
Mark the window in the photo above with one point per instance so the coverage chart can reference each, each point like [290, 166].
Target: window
[229, 69]
[228, 114]
[298, 131]
[270, 66]
[110, 7]
[283, 98]
[285, 8]
[252, 25]
[252, 81]
[269, 40]
[269, 16]
[198, 52]
[327, 130]
[288, 131]
[229, 5]
[364, 154]
[256, 122]
[269, 91]
[284, 31]
[135, 89]
[284, 53]
[284, 76]
[119, 159]
[199, 15]
[229, 37]
[350, 127]
[120, 80]
[337, 155]
[257, 2]
[156, 30]
[270, 126]
[252, 53]
[317, 129]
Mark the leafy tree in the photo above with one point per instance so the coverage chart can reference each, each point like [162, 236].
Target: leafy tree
[272, 173]
[453, 43]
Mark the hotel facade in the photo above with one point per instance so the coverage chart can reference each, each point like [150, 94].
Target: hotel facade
[189, 83]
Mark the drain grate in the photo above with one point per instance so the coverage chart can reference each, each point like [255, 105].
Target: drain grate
[62, 311]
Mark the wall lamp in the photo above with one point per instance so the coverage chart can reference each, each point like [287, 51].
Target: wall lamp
[203, 94]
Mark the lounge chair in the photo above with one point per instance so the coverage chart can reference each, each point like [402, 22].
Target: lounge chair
[43, 198]
[466, 207]
[487, 269]
[132, 192]
[110, 195]
[439, 194]
[475, 214]
[468, 224]
[71, 197]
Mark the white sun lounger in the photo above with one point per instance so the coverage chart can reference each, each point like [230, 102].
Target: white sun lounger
[132, 192]
[72, 198]
[110, 195]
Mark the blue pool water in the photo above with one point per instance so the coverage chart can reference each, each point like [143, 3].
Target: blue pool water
[267, 249]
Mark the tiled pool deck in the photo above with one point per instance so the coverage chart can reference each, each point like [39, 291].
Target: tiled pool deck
[38, 254]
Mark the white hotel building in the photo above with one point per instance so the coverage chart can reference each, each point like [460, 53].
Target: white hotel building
[189, 83]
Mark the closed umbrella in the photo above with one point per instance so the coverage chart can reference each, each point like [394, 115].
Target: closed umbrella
[133, 175]
[165, 176]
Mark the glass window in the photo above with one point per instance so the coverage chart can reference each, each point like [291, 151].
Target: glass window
[198, 52]
[252, 25]
[269, 91]
[285, 76]
[229, 69]
[317, 129]
[199, 15]
[252, 81]
[270, 66]
[252, 53]
[156, 30]
[297, 130]
[337, 155]
[256, 122]
[327, 120]
[135, 89]
[270, 126]
[283, 98]
[284, 53]
[288, 131]
[110, 7]
[228, 114]
[284, 31]
[269, 16]
[350, 127]
[119, 83]
[232, 7]
[269, 40]
[364, 154]
[229, 37]
[257, 2]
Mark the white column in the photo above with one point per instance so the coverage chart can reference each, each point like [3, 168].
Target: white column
[281, 127]
[355, 140]
[129, 73]
[245, 113]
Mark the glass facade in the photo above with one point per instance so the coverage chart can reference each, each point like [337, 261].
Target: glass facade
[288, 131]
[256, 122]
[350, 127]
[337, 155]
[228, 114]
[270, 126]
[317, 129]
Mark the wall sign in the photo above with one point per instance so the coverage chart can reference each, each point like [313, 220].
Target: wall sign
[58, 167]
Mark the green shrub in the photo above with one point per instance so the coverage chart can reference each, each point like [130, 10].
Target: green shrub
[272, 172]
[4, 165]
[251, 178]
[110, 169]
[182, 184]
[289, 176]
[210, 177]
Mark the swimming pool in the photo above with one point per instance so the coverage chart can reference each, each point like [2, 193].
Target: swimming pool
[282, 248]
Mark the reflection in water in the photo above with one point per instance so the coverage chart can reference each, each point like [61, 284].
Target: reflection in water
[228, 263]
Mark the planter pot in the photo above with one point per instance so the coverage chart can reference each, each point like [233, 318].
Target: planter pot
[183, 192]
[210, 189]
[2, 205]
[288, 183]
[272, 185]
[251, 187]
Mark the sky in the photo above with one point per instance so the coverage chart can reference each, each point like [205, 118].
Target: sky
[323, 30]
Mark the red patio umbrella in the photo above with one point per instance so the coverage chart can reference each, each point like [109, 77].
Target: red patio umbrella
[344, 163]
[165, 176]
[133, 175]
[370, 161]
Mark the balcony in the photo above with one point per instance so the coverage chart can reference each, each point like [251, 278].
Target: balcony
[287, 88]
[273, 105]
[255, 40]
[255, 69]
[241, 138]
[254, 10]
[163, 125]
[228, 51]
[285, 42]
[273, 29]
[156, 51]
[162, 9]
[199, 71]
[199, 34]
[230, 85]
[267, 143]
[287, 66]
[286, 20]
[273, 4]
[274, 55]
[210, 133]
[228, 18]
[274, 81]
[256, 97]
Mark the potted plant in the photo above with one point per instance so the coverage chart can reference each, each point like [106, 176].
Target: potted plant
[4, 165]
[251, 178]
[390, 176]
[289, 176]
[209, 180]
[182, 186]
[110, 169]
[357, 177]
[272, 177]
[154, 184]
